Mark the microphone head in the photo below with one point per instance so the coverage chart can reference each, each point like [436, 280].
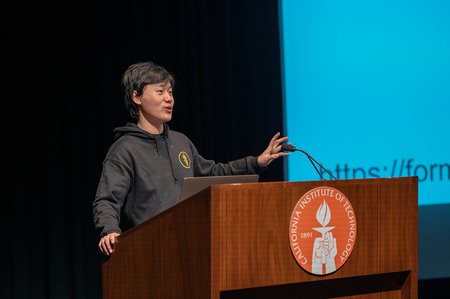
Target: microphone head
[286, 147]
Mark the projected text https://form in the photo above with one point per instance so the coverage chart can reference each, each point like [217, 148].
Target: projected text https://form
[399, 167]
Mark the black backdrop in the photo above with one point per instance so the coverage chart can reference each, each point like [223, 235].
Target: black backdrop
[62, 99]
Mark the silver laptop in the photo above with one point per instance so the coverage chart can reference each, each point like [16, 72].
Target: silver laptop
[193, 185]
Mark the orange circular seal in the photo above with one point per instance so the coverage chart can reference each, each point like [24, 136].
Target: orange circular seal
[322, 230]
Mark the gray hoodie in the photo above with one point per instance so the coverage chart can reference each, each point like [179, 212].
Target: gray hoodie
[143, 174]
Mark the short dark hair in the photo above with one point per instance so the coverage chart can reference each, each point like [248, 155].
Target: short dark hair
[137, 76]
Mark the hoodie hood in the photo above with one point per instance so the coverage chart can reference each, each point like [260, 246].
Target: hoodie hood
[133, 130]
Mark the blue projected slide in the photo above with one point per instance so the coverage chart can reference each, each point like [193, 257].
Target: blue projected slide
[367, 90]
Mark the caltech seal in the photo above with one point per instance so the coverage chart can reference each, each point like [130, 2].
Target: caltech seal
[322, 230]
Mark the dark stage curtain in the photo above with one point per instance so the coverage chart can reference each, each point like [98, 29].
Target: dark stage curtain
[62, 99]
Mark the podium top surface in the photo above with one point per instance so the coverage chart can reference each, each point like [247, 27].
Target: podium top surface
[193, 185]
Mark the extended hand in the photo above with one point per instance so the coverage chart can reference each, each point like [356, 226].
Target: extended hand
[273, 151]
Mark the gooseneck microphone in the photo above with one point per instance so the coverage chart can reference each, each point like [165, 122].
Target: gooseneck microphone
[286, 147]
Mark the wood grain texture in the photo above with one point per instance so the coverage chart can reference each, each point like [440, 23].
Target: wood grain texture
[232, 241]
[165, 257]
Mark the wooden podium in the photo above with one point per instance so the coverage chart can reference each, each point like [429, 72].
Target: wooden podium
[232, 241]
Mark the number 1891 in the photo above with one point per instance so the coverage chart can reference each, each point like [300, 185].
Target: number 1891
[306, 235]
